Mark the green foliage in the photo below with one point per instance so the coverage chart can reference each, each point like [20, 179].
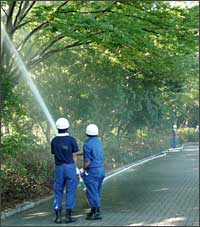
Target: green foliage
[141, 144]
[187, 135]
[16, 126]
[24, 177]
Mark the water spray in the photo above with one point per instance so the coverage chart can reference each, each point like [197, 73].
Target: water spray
[26, 75]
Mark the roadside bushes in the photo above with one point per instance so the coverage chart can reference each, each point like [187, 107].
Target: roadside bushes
[26, 176]
[141, 144]
[187, 135]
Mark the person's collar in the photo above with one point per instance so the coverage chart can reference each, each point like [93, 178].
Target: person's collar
[63, 134]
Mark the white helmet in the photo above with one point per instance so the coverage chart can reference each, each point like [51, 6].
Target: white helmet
[92, 130]
[174, 127]
[62, 123]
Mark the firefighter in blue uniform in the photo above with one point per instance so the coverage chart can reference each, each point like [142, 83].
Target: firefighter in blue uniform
[94, 172]
[64, 148]
[174, 137]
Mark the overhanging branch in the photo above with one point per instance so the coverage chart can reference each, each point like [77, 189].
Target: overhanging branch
[107, 10]
[44, 54]
[4, 11]
[18, 13]
[44, 24]
[21, 25]
[9, 17]
[33, 62]
[59, 7]
[56, 39]
[26, 12]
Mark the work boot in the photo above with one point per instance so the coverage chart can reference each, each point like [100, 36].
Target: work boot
[98, 213]
[92, 211]
[58, 219]
[94, 215]
[68, 216]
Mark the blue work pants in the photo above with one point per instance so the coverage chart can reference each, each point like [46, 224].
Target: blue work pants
[65, 175]
[174, 141]
[94, 186]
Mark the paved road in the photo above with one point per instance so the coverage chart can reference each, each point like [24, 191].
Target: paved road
[162, 192]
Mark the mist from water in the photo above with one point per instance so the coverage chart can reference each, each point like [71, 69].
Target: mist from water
[26, 75]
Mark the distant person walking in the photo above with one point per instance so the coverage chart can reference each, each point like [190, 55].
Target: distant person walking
[174, 136]
[197, 128]
[64, 148]
[94, 172]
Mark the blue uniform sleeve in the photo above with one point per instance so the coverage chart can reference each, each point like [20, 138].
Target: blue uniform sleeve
[74, 146]
[86, 153]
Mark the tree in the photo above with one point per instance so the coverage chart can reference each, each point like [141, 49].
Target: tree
[151, 41]
[106, 26]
